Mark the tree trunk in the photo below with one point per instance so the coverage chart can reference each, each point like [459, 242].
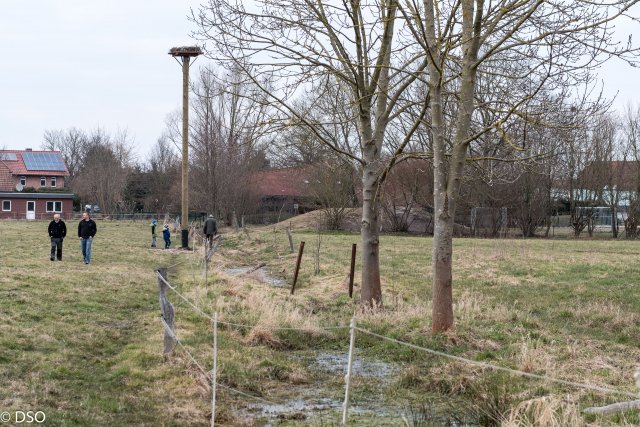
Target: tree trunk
[371, 291]
[442, 311]
[448, 175]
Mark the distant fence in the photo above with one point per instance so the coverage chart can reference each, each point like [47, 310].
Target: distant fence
[194, 218]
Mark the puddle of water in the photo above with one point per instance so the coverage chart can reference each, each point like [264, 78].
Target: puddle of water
[299, 405]
[318, 408]
[237, 271]
[261, 274]
[337, 363]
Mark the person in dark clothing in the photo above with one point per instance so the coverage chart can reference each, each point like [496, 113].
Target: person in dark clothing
[166, 235]
[210, 229]
[154, 224]
[86, 230]
[57, 233]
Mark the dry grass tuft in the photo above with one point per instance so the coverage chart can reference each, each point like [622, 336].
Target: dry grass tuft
[263, 336]
[607, 312]
[400, 316]
[533, 357]
[453, 378]
[547, 411]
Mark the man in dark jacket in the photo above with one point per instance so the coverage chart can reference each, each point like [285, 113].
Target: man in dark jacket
[57, 232]
[210, 229]
[86, 230]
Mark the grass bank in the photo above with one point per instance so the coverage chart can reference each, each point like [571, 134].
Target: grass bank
[83, 343]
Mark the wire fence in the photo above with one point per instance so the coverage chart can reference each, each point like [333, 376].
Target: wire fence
[353, 330]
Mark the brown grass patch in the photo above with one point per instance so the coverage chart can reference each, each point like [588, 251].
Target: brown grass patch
[547, 411]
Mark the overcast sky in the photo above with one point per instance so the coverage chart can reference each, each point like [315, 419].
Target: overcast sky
[90, 64]
[86, 64]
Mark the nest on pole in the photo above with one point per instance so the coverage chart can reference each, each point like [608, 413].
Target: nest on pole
[185, 51]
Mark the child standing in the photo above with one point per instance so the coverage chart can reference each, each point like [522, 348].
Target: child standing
[166, 234]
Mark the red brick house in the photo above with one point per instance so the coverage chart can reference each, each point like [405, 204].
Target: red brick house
[32, 185]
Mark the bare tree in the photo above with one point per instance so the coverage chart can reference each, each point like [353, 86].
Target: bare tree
[72, 143]
[164, 177]
[609, 167]
[407, 193]
[296, 146]
[333, 188]
[322, 47]
[105, 169]
[226, 137]
[631, 132]
[550, 43]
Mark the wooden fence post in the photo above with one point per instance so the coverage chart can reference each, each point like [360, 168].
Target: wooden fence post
[290, 237]
[351, 271]
[234, 221]
[168, 313]
[295, 274]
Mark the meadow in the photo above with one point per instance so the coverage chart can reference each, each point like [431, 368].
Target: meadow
[83, 343]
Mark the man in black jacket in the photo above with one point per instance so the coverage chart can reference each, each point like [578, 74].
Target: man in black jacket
[86, 230]
[57, 232]
[210, 229]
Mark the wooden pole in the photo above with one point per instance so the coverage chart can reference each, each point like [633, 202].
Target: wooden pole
[352, 269]
[184, 220]
[290, 237]
[295, 274]
[206, 265]
[168, 313]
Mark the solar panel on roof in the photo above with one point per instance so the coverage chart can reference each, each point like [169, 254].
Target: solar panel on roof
[8, 156]
[43, 161]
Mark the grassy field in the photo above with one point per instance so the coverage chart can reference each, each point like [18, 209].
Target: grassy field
[83, 343]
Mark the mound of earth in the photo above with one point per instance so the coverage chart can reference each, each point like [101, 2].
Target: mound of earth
[419, 222]
[314, 219]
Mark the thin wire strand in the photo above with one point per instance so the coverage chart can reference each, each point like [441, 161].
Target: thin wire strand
[498, 368]
[246, 394]
[195, 307]
[239, 325]
[416, 347]
[204, 371]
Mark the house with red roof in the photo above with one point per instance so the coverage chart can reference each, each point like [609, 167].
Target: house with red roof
[32, 185]
[284, 190]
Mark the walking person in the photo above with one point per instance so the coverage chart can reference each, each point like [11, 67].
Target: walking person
[86, 230]
[166, 235]
[210, 229]
[57, 233]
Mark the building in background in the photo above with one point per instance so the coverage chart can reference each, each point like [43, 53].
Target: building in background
[32, 185]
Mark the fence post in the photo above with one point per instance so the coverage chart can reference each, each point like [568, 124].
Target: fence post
[347, 377]
[290, 237]
[215, 369]
[234, 221]
[351, 271]
[295, 274]
[167, 312]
